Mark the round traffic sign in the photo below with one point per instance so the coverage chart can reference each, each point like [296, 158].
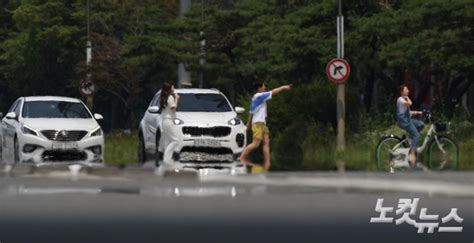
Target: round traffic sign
[338, 70]
[87, 88]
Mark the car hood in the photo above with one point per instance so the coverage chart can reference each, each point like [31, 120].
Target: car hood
[206, 118]
[61, 124]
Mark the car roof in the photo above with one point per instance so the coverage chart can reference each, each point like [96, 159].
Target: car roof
[196, 91]
[49, 98]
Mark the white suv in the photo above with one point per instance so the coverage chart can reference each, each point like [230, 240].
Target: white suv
[210, 135]
[43, 130]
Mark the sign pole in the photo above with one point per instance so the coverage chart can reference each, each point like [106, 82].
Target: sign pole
[90, 99]
[341, 104]
[184, 76]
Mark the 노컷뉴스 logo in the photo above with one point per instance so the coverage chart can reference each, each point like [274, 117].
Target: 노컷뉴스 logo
[407, 208]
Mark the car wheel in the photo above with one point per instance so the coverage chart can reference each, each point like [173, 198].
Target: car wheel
[16, 151]
[141, 150]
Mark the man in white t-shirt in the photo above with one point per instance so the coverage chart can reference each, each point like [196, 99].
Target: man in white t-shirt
[257, 122]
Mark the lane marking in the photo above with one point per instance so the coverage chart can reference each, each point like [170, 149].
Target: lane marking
[423, 186]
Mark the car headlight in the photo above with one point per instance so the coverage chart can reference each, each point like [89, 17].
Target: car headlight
[96, 132]
[234, 121]
[177, 121]
[28, 130]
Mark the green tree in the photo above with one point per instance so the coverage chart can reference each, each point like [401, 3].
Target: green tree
[133, 53]
[40, 50]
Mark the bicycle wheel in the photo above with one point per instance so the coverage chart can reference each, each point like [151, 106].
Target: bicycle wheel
[384, 150]
[443, 156]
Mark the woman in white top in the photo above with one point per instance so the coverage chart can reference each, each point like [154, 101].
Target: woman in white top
[168, 105]
[405, 121]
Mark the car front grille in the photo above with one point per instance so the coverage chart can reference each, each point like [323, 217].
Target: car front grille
[63, 155]
[64, 135]
[207, 131]
[205, 155]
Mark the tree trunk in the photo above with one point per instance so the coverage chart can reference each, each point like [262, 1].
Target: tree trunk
[464, 105]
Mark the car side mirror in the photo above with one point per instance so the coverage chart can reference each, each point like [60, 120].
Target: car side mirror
[239, 109]
[98, 116]
[153, 109]
[11, 115]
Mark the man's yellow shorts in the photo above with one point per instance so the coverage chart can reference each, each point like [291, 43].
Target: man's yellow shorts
[259, 129]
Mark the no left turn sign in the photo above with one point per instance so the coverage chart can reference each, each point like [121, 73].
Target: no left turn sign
[338, 70]
[87, 88]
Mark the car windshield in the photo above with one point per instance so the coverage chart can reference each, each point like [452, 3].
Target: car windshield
[54, 109]
[203, 103]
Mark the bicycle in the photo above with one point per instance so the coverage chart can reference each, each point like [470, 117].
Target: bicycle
[443, 152]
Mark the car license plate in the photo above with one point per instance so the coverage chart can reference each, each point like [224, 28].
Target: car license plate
[207, 143]
[66, 145]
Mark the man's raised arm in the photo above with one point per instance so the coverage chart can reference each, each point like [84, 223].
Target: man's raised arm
[280, 89]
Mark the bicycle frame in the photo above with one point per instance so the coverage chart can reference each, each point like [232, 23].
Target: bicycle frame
[400, 154]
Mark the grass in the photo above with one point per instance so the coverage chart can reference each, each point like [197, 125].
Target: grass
[466, 154]
[360, 150]
[361, 155]
[121, 148]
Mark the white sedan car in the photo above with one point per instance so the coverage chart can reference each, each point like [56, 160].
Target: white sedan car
[42, 130]
[210, 134]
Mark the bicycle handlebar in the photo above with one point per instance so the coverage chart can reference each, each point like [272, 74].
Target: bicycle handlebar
[427, 115]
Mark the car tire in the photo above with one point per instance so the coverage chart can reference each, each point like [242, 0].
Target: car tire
[141, 149]
[16, 151]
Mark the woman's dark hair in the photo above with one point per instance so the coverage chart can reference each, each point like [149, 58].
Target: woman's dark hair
[401, 88]
[165, 93]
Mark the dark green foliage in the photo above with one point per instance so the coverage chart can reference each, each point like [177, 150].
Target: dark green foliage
[137, 45]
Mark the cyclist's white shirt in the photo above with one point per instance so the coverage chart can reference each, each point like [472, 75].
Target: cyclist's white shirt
[401, 105]
[258, 107]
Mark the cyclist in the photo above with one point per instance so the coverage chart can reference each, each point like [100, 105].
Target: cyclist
[404, 121]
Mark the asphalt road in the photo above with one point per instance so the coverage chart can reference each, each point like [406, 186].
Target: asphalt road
[136, 205]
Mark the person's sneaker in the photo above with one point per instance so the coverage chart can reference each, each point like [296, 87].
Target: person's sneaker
[392, 170]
